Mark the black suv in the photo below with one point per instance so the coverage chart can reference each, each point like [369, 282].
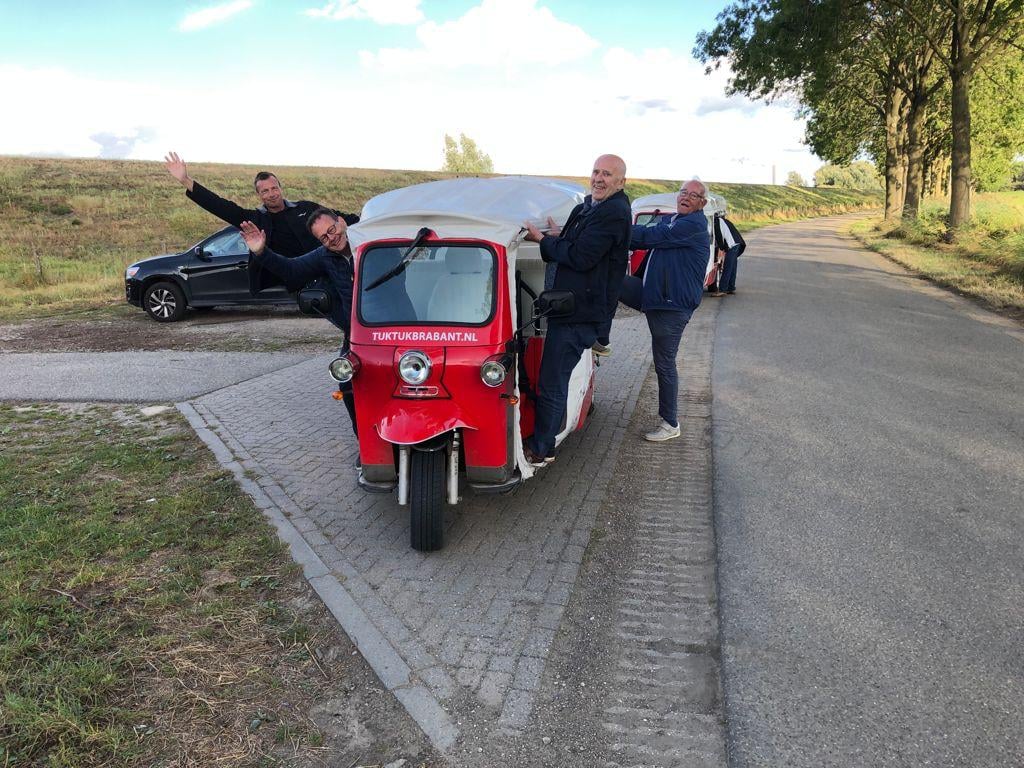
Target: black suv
[213, 272]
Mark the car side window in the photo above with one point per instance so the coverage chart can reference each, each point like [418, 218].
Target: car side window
[226, 244]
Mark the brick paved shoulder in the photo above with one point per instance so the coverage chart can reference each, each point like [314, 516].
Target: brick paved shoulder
[467, 629]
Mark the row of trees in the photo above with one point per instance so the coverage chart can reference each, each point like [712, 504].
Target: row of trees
[916, 85]
[856, 175]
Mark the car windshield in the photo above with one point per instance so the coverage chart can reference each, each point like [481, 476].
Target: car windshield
[650, 219]
[440, 285]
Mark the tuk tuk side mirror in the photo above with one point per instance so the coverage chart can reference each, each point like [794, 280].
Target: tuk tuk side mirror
[555, 303]
[314, 301]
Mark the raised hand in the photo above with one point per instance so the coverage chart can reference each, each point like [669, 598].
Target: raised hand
[254, 237]
[553, 228]
[176, 167]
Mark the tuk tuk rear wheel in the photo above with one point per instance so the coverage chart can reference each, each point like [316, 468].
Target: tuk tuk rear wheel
[427, 492]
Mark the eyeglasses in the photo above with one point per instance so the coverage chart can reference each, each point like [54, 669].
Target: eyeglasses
[331, 232]
[691, 195]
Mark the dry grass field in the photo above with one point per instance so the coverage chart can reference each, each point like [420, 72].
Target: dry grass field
[69, 227]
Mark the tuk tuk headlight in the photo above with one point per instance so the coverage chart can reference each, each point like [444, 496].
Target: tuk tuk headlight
[414, 368]
[495, 369]
[342, 369]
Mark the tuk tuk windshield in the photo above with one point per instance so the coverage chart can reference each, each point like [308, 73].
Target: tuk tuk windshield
[440, 285]
[651, 219]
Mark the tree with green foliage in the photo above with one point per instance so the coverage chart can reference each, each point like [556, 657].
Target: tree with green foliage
[843, 60]
[869, 75]
[978, 30]
[856, 175]
[794, 179]
[465, 156]
[997, 121]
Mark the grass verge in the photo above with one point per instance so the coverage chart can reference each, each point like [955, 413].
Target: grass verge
[985, 263]
[146, 609]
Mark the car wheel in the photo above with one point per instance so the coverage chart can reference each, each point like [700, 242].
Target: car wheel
[164, 302]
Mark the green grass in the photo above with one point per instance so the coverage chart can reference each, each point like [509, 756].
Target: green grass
[68, 228]
[987, 260]
[142, 599]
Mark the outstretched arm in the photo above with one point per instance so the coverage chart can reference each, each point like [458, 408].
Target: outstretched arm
[176, 167]
[295, 272]
[681, 232]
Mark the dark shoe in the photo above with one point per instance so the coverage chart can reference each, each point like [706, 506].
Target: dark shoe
[730, 292]
[716, 294]
[534, 460]
[359, 462]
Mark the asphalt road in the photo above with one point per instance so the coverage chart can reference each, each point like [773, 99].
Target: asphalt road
[132, 377]
[869, 506]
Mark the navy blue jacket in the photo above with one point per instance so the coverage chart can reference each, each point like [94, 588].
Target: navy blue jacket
[678, 261]
[591, 252]
[336, 270]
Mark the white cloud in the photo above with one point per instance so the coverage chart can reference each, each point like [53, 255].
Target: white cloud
[644, 105]
[379, 11]
[213, 15]
[497, 34]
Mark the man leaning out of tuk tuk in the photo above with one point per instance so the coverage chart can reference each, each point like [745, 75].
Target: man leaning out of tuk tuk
[670, 290]
[590, 254]
[332, 262]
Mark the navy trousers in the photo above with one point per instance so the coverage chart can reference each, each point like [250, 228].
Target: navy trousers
[666, 326]
[732, 260]
[563, 346]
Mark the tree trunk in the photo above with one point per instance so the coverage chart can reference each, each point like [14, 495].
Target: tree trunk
[915, 156]
[893, 170]
[960, 187]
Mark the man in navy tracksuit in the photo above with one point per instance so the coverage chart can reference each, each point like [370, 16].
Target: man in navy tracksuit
[590, 257]
[670, 290]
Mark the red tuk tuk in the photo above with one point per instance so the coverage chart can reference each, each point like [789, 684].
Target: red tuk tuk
[448, 325]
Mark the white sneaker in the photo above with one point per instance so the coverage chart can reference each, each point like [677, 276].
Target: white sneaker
[664, 431]
[601, 350]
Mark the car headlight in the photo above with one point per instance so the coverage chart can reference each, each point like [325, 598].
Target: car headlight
[414, 367]
[130, 272]
[495, 369]
[343, 369]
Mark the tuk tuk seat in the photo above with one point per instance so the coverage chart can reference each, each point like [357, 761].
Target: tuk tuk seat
[465, 289]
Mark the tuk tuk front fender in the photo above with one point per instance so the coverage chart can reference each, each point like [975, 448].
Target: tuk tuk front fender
[412, 422]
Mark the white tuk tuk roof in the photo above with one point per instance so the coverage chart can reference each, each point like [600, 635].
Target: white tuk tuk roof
[492, 209]
[666, 201]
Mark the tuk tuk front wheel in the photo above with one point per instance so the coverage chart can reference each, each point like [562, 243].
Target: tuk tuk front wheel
[426, 508]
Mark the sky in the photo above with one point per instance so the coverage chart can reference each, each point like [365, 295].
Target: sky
[542, 86]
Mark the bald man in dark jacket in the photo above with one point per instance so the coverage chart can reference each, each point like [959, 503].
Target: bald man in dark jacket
[590, 256]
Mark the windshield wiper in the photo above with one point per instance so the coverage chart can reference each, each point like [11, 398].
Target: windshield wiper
[399, 268]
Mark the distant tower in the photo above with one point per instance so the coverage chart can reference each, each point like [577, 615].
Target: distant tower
[773, 173]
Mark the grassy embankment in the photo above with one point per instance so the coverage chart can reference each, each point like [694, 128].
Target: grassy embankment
[986, 262]
[68, 228]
